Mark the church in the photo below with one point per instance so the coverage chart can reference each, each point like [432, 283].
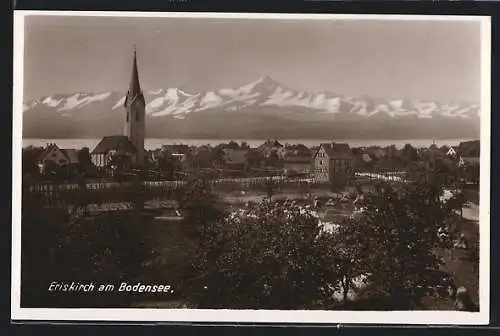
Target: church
[131, 143]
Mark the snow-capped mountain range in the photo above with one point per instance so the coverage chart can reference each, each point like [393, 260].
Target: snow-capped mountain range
[259, 109]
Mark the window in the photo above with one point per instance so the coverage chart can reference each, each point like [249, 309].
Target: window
[127, 115]
[321, 162]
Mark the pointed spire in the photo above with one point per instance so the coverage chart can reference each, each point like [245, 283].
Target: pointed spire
[135, 87]
[134, 90]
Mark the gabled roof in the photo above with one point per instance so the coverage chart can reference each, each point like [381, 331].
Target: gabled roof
[47, 150]
[271, 144]
[72, 155]
[336, 150]
[119, 143]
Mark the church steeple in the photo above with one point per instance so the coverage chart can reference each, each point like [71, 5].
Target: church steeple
[135, 106]
[134, 91]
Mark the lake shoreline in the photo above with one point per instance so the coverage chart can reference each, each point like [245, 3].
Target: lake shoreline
[155, 143]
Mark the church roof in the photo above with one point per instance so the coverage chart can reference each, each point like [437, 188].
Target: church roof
[134, 91]
[119, 143]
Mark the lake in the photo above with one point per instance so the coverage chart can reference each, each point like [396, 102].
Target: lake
[151, 143]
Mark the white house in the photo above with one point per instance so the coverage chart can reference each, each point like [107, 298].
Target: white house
[451, 152]
[58, 157]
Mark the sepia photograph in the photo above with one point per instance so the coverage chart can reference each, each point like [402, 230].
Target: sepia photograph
[277, 168]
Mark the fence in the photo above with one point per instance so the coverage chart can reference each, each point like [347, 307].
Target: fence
[56, 195]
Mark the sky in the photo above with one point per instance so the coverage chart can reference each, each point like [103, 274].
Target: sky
[434, 60]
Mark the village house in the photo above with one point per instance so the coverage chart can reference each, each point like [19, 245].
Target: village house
[110, 146]
[333, 163]
[58, 157]
[451, 152]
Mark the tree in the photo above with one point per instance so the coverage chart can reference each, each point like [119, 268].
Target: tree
[137, 192]
[349, 246]
[273, 160]
[254, 158]
[84, 161]
[233, 145]
[409, 153]
[472, 172]
[30, 160]
[443, 171]
[457, 201]
[402, 227]
[50, 169]
[271, 187]
[218, 157]
[166, 164]
[83, 198]
[274, 258]
[200, 206]
[119, 162]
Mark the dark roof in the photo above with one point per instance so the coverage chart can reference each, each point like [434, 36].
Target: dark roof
[46, 151]
[270, 144]
[120, 143]
[176, 149]
[71, 154]
[337, 150]
[469, 148]
[235, 156]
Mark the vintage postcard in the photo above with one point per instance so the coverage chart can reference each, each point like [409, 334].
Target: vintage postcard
[251, 168]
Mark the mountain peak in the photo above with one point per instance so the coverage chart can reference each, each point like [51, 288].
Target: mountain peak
[265, 84]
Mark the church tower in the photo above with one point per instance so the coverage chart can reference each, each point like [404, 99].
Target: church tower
[135, 105]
